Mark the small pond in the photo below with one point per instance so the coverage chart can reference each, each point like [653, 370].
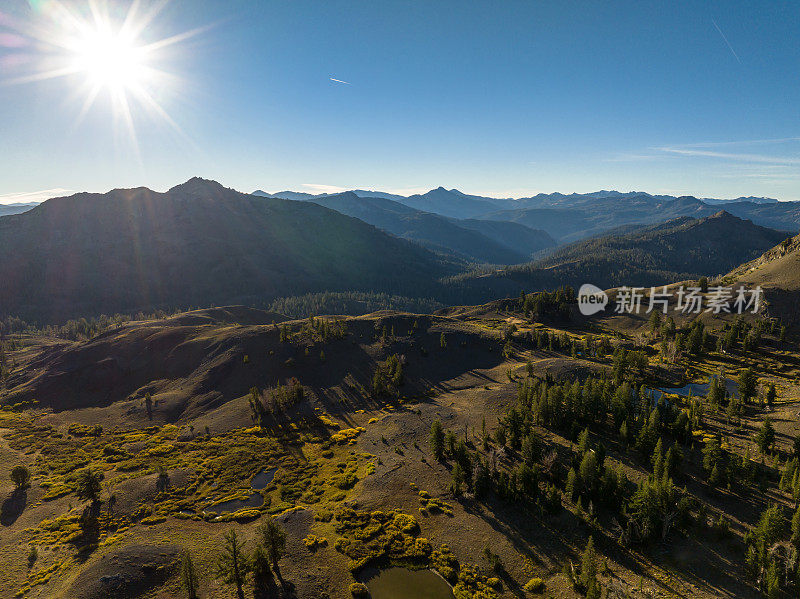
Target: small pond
[402, 583]
[260, 481]
[263, 478]
[234, 505]
[701, 389]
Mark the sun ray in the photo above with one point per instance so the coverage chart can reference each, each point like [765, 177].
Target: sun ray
[42, 76]
[88, 102]
[176, 38]
[136, 26]
[123, 112]
[112, 55]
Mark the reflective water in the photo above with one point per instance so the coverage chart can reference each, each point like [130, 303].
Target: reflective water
[260, 481]
[701, 389]
[401, 583]
[263, 478]
[233, 505]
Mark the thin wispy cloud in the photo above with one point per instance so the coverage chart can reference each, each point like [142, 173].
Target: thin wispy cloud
[320, 188]
[736, 56]
[760, 158]
[403, 191]
[339, 81]
[31, 197]
[714, 144]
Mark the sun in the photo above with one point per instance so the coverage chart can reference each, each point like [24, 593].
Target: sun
[111, 60]
[102, 47]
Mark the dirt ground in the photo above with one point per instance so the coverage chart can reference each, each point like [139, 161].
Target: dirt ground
[204, 381]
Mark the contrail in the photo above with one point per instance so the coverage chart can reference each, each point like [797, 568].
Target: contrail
[339, 81]
[736, 56]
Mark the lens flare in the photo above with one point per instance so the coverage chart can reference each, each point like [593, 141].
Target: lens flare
[98, 49]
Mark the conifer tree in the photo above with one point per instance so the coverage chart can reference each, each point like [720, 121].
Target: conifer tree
[189, 575]
[232, 563]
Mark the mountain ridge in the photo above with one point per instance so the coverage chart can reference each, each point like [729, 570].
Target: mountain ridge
[571, 217]
[474, 240]
[197, 244]
[680, 249]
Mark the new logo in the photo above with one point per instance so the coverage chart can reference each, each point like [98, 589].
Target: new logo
[591, 299]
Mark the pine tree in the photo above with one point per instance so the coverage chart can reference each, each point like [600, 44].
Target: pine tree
[658, 464]
[747, 385]
[583, 441]
[773, 582]
[273, 540]
[672, 460]
[189, 575]
[88, 485]
[262, 574]
[258, 413]
[458, 480]
[588, 473]
[657, 460]
[572, 483]
[623, 433]
[450, 442]
[588, 576]
[772, 395]
[20, 476]
[765, 436]
[655, 322]
[232, 564]
[796, 528]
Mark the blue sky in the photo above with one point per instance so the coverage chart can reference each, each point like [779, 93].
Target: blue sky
[502, 98]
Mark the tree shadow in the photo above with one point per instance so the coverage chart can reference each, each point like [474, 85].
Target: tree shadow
[13, 506]
[282, 589]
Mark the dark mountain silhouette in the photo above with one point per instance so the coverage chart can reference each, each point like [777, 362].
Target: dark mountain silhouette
[453, 203]
[197, 244]
[680, 249]
[474, 240]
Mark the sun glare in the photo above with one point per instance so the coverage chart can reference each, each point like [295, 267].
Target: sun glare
[109, 60]
[100, 50]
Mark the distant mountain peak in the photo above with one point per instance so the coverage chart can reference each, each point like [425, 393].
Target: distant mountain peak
[198, 186]
[722, 214]
[348, 195]
[756, 200]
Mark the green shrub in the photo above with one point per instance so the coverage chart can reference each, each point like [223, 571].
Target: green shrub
[359, 591]
[534, 586]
